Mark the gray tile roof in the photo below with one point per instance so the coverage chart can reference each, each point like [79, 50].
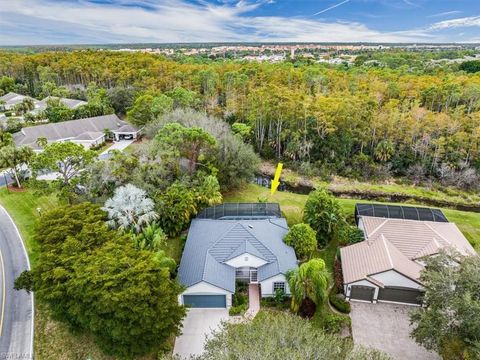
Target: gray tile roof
[89, 135]
[70, 103]
[67, 129]
[211, 243]
[12, 98]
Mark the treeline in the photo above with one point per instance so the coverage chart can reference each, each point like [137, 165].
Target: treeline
[363, 122]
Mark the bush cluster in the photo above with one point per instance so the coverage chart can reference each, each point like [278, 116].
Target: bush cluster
[338, 303]
[238, 310]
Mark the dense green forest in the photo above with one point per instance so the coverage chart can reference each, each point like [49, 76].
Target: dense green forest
[362, 121]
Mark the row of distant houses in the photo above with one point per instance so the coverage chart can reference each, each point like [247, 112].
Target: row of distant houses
[11, 99]
[244, 242]
[89, 132]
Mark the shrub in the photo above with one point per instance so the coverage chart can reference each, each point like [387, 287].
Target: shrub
[302, 238]
[239, 299]
[279, 296]
[238, 310]
[324, 214]
[339, 303]
[349, 234]
[338, 276]
[333, 323]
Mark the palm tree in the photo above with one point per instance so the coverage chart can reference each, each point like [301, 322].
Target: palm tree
[310, 280]
[42, 142]
[384, 150]
[150, 237]
[108, 134]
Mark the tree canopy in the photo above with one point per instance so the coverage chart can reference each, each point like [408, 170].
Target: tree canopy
[302, 238]
[323, 213]
[450, 321]
[309, 281]
[97, 281]
[279, 336]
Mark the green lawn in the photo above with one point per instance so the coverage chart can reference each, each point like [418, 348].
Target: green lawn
[22, 207]
[292, 205]
[438, 193]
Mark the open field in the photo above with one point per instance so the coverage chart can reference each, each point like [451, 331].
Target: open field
[292, 205]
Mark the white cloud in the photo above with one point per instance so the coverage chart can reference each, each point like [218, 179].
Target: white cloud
[455, 23]
[446, 13]
[81, 21]
[331, 7]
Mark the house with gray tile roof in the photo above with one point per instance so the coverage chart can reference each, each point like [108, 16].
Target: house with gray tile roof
[88, 132]
[70, 103]
[219, 252]
[9, 100]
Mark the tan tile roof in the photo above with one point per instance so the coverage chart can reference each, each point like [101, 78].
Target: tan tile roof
[361, 260]
[415, 238]
[395, 244]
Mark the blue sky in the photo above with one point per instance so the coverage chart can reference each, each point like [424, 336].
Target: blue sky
[24, 22]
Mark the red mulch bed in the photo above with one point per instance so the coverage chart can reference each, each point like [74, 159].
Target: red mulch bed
[15, 189]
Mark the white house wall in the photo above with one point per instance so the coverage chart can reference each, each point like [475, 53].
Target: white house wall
[267, 285]
[393, 278]
[246, 259]
[204, 288]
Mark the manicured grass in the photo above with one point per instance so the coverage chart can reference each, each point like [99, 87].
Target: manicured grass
[292, 207]
[174, 248]
[22, 207]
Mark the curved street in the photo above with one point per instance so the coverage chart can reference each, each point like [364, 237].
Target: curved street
[16, 307]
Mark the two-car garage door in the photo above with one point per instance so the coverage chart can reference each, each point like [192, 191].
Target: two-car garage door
[394, 294]
[401, 295]
[205, 301]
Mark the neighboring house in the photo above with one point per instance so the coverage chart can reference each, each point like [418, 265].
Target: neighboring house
[9, 100]
[70, 103]
[88, 132]
[230, 243]
[386, 266]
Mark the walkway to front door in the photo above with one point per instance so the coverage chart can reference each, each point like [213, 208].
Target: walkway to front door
[253, 300]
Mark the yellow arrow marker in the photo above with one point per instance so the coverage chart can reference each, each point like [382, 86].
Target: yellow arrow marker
[276, 179]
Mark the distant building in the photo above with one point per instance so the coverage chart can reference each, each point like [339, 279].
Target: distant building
[89, 132]
[9, 100]
[70, 103]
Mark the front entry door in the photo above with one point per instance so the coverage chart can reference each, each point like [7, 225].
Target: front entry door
[253, 276]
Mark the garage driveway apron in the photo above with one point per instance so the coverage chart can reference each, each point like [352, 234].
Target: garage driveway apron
[387, 327]
[198, 324]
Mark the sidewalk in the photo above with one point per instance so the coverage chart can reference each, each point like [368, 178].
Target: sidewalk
[253, 301]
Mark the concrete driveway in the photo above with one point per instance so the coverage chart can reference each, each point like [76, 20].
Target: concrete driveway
[198, 324]
[387, 327]
[117, 145]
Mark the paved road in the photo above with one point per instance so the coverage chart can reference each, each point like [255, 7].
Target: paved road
[16, 307]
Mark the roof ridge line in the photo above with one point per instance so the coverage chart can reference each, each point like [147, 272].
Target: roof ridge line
[388, 251]
[378, 227]
[440, 235]
[266, 247]
[220, 237]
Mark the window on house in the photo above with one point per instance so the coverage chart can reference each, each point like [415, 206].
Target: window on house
[278, 285]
